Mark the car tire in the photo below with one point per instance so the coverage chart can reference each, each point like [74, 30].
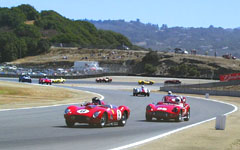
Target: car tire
[103, 121]
[179, 117]
[188, 116]
[148, 118]
[69, 124]
[123, 120]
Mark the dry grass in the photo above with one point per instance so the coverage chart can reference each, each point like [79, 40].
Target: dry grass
[18, 95]
[75, 54]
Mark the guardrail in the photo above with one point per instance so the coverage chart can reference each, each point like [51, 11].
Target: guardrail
[197, 89]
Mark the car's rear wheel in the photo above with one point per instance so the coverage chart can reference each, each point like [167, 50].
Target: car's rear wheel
[69, 123]
[148, 117]
[103, 120]
[188, 116]
[123, 120]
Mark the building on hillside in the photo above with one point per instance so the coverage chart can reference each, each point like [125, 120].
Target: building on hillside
[87, 66]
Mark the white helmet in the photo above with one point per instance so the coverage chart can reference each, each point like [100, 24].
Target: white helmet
[177, 99]
[169, 92]
[142, 86]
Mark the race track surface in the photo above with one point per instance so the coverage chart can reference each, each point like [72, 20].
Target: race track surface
[44, 128]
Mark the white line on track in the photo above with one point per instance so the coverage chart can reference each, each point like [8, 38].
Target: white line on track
[176, 130]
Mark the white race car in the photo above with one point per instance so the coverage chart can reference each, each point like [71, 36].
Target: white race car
[141, 91]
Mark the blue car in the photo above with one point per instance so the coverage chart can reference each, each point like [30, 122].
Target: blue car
[25, 78]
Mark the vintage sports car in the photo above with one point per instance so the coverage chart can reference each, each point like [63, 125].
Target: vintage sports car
[25, 78]
[59, 80]
[141, 91]
[171, 107]
[96, 115]
[45, 80]
[149, 82]
[172, 82]
[107, 79]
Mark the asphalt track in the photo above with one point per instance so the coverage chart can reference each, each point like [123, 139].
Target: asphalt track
[44, 128]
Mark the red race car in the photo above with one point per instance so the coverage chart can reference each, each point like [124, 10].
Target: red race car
[96, 113]
[45, 80]
[107, 79]
[171, 107]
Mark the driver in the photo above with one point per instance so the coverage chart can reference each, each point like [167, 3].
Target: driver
[169, 93]
[96, 101]
[178, 101]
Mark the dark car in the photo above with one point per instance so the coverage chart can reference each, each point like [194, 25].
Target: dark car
[172, 82]
[25, 78]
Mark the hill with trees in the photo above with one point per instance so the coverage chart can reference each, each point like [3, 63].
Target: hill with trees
[26, 32]
[204, 40]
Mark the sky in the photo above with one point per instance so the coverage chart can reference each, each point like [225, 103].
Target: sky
[183, 13]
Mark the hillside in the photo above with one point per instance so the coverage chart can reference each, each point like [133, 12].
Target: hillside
[165, 39]
[26, 32]
[138, 62]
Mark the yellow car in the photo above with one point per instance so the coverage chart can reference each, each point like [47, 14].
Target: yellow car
[60, 80]
[149, 82]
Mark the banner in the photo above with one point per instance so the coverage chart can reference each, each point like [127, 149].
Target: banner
[229, 77]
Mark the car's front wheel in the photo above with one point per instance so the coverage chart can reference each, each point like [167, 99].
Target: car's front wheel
[69, 123]
[188, 116]
[103, 120]
[123, 120]
[148, 117]
[179, 117]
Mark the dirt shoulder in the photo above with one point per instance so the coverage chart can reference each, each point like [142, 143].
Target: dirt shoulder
[204, 136]
[20, 95]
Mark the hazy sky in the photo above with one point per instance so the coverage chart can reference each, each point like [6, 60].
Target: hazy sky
[185, 13]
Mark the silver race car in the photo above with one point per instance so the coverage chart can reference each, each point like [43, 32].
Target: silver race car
[141, 91]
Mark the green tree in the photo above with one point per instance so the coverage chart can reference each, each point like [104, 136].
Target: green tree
[150, 69]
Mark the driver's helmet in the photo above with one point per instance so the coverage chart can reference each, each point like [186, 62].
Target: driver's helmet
[169, 92]
[142, 86]
[177, 100]
[96, 100]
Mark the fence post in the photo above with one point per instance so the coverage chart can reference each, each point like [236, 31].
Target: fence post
[207, 95]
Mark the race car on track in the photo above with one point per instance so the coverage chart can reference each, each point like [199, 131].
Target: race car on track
[59, 80]
[172, 82]
[107, 79]
[141, 91]
[171, 107]
[45, 80]
[149, 82]
[96, 113]
[25, 78]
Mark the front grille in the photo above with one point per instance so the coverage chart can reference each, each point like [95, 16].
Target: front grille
[80, 118]
[161, 114]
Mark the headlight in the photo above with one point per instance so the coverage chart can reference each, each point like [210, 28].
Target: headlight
[67, 111]
[95, 115]
[175, 109]
[149, 108]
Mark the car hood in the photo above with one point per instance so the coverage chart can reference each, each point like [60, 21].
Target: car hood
[164, 107]
[86, 110]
